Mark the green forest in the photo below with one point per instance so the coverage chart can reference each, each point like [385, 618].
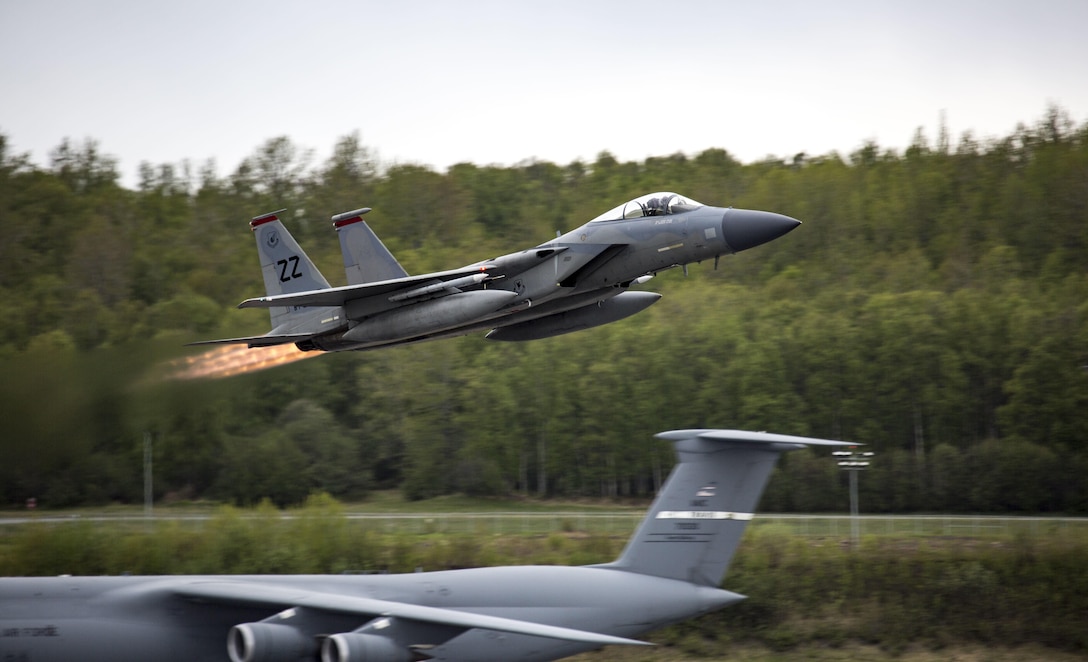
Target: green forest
[933, 305]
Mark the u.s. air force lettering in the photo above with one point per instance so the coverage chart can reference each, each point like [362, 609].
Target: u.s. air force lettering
[702, 514]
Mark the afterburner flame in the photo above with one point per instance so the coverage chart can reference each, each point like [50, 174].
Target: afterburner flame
[231, 360]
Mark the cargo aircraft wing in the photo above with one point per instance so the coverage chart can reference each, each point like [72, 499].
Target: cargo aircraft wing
[266, 595]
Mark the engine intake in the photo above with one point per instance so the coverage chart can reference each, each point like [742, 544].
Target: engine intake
[354, 647]
[268, 642]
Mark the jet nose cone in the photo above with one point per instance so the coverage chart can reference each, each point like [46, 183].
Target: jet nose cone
[746, 228]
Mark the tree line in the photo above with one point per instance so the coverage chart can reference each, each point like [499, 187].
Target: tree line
[932, 306]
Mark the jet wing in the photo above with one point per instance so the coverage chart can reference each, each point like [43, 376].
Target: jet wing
[338, 296]
[400, 289]
[253, 593]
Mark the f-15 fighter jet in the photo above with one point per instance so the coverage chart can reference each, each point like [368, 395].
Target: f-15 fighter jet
[576, 281]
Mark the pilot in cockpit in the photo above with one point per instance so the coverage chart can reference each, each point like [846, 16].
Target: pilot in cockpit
[655, 207]
[659, 206]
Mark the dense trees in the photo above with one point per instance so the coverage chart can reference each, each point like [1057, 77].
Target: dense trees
[933, 305]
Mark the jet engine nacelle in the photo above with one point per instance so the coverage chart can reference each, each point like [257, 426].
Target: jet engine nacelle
[268, 642]
[429, 316]
[618, 307]
[353, 647]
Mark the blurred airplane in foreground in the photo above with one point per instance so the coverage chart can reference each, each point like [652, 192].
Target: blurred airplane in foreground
[669, 571]
[578, 280]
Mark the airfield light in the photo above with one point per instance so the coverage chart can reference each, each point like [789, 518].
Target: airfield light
[853, 461]
[149, 492]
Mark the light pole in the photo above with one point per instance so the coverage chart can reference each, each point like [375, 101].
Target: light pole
[148, 488]
[853, 461]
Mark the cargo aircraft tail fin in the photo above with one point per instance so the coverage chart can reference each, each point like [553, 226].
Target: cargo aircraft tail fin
[695, 525]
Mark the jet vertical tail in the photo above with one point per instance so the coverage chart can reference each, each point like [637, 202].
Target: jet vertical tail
[698, 518]
[288, 270]
[366, 259]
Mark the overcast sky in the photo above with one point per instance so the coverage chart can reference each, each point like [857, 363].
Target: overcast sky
[437, 83]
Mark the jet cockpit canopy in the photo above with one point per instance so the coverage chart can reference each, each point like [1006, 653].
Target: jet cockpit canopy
[651, 204]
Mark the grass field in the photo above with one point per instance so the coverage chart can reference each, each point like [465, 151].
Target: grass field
[847, 653]
[389, 511]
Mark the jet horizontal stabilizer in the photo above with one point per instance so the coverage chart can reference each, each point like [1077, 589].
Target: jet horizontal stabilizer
[257, 341]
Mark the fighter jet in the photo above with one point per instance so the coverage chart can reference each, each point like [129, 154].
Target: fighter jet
[669, 571]
[578, 280]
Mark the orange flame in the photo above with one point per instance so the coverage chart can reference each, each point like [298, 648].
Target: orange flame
[233, 360]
